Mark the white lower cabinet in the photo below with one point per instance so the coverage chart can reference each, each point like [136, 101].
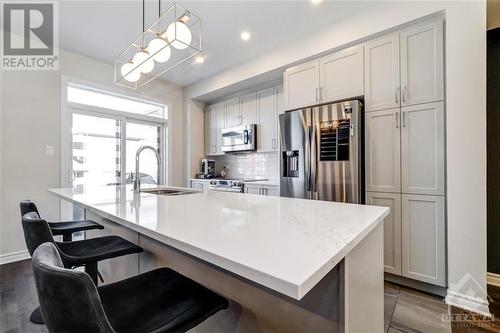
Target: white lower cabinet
[423, 238]
[392, 228]
[271, 190]
[199, 184]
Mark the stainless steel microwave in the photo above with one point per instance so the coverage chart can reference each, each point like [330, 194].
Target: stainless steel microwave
[240, 138]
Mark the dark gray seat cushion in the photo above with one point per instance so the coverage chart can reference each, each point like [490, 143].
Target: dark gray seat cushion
[160, 300]
[96, 249]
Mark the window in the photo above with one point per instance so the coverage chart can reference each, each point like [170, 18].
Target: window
[107, 129]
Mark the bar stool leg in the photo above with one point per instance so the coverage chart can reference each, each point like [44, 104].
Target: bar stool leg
[91, 270]
[36, 316]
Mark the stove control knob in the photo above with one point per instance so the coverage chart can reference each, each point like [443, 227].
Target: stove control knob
[239, 183]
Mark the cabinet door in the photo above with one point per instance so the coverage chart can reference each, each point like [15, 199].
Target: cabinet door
[382, 151]
[248, 108]
[422, 148]
[423, 238]
[266, 131]
[382, 73]
[301, 85]
[233, 115]
[422, 64]
[392, 228]
[219, 122]
[280, 109]
[270, 190]
[341, 75]
[210, 144]
[197, 185]
[252, 189]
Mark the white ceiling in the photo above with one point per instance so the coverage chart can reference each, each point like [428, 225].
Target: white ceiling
[102, 29]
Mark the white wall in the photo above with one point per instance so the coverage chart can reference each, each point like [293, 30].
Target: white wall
[30, 120]
[466, 113]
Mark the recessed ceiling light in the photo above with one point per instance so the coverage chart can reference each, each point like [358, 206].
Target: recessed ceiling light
[245, 35]
[199, 60]
[316, 1]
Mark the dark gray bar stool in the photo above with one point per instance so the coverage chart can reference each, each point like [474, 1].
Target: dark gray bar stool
[64, 228]
[161, 300]
[86, 252]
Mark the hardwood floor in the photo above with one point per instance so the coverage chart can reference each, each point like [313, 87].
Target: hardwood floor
[406, 310]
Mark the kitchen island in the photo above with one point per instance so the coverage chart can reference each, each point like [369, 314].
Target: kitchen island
[285, 264]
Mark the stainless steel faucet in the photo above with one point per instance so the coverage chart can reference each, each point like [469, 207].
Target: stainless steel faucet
[137, 180]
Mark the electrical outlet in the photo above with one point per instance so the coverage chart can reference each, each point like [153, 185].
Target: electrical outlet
[49, 150]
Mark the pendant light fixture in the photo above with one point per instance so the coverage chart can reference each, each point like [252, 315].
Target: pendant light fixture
[172, 39]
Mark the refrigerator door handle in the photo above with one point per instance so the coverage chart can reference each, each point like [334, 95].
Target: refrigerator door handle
[307, 158]
[313, 158]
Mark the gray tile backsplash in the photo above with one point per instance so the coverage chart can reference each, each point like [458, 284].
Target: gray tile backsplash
[250, 165]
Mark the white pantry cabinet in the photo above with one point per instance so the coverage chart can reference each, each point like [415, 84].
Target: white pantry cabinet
[405, 68]
[383, 150]
[422, 64]
[392, 229]
[333, 77]
[423, 238]
[214, 123]
[422, 149]
[382, 73]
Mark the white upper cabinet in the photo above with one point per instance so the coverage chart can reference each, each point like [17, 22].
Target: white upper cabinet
[382, 87]
[382, 151]
[422, 64]
[233, 115]
[301, 85]
[422, 147]
[248, 108]
[268, 116]
[214, 123]
[423, 238]
[210, 145]
[341, 75]
[392, 229]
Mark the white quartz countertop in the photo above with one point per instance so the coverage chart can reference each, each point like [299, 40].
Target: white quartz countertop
[287, 245]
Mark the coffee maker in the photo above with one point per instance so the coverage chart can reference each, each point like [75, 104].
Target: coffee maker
[207, 168]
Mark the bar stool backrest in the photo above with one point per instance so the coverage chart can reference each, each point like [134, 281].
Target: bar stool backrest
[36, 231]
[28, 206]
[68, 298]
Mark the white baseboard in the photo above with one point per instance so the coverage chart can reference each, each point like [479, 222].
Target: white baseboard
[493, 279]
[466, 302]
[13, 257]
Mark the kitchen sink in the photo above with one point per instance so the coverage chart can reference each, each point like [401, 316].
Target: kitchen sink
[167, 191]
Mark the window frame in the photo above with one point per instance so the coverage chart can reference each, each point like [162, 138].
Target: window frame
[69, 108]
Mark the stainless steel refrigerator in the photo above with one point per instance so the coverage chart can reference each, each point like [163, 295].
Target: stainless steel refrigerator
[322, 153]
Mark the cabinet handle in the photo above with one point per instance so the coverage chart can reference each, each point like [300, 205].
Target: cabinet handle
[404, 119]
[397, 119]
[317, 94]
[397, 95]
[320, 93]
[404, 94]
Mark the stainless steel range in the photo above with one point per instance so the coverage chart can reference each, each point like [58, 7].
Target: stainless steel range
[230, 185]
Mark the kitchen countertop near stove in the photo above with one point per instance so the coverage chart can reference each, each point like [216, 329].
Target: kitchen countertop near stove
[285, 244]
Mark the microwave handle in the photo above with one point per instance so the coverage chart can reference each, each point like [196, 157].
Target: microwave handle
[245, 137]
